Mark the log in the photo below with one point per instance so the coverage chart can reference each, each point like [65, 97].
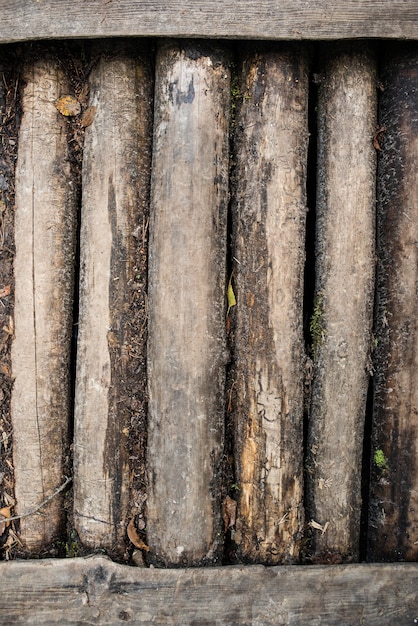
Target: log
[186, 346]
[96, 591]
[45, 233]
[393, 521]
[341, 324]
[116, 167]
[269, 215]
[291, 19]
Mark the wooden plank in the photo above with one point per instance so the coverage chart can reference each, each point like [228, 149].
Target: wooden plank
[116, 172]
[266, 19]
[394, 485]
[342, 320]
[186, 347]
[269, 212]
[45, 229]
[97, 591]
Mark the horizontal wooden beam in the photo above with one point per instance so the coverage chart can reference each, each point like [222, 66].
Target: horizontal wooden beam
[96, 590]
[243, 19]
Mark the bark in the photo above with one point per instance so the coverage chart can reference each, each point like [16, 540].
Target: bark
[186, 349]
[269, 214]
[341, 324]
[394, 477]
[45, 227]
[116, 169]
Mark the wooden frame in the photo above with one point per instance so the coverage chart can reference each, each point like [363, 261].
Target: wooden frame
[95, 589]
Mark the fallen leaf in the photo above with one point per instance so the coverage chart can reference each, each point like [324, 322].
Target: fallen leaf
[88, 116]
[135, 538]
[229, 512]
[230, 296]
[68, 105]
[4, 514]
[5, 291]
[378, 137]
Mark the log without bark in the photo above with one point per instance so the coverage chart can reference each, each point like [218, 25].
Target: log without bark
[394, 483]
[186, 348]
[97, 591]
[342, 318]
[45, 227]
[116, 169]
[269, 213]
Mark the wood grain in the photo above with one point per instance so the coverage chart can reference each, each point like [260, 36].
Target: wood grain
[97, 591]
[187, 287]
[45, 235]
[266, 19]
[269, 215]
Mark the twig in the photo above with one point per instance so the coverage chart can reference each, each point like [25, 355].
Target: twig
[39, 506]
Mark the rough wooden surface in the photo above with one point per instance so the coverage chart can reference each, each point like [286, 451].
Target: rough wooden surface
[187, 287]
[394, 485]
[97, 591]
[266, 19]
[45, 226]
[269, 214]
[342, 319]
[116, 170]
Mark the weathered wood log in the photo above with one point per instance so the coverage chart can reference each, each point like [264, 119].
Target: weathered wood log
[45, 232]
[97, 591]
[116, 169]
[291, 19]
[269, 214]
[393, 523]
[341, 324]
[186, 348]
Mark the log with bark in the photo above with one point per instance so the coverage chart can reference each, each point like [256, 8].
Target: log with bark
[187, 287]
[269, 216]
[341, 324]
[393, 521]
[116, 170]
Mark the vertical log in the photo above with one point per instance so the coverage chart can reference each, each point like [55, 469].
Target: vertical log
[45, 226]
[186, 351]
[269, 213]
[393, 523]
[116, 167]
[342, 319]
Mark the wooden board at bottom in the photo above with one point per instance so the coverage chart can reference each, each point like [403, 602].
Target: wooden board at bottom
[95, 590]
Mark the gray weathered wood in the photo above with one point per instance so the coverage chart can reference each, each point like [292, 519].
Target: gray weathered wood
[269, 213]
[116, 171]
[45, 228]
[394, 486]
[342, 320]
[266, 19]
[186, 348]
[97, 591]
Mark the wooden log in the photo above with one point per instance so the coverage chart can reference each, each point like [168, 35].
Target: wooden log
[97, 591]
[116, 168]
[393, 523]
[291, 19]
[186, 347]
[45, 229]
[269, 211]
[341, 324]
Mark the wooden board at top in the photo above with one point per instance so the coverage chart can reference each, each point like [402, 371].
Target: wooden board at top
[244, 19]
[97, 591]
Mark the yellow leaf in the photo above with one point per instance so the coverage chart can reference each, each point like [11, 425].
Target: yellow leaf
[68, 105]
[230, 296]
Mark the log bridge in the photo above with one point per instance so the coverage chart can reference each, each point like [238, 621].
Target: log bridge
[208, 289]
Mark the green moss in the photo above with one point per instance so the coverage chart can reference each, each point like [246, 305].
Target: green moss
[317, 326]
[380, 460]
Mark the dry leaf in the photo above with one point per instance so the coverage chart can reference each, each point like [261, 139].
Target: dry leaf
[135, 538]
[4, 514]
[68, 105]
[88, 116]
[5, 291]
[229, 512]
